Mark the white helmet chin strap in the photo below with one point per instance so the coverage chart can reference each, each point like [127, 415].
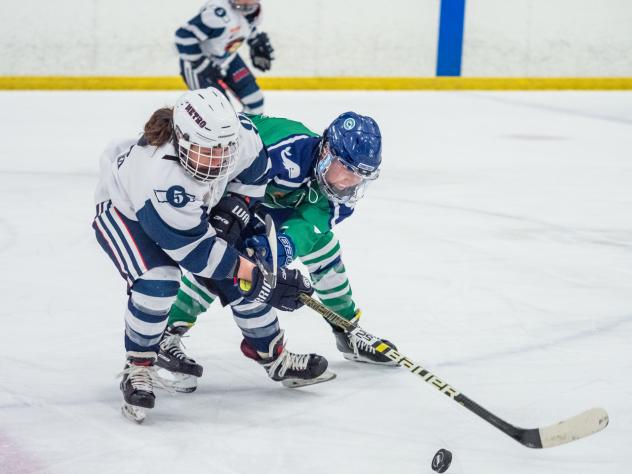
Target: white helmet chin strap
[216, 189]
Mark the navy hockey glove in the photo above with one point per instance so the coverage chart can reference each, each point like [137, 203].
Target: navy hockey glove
[284, 296]
[262, 251]
[230, 217]
[261, 52]
[206, 69]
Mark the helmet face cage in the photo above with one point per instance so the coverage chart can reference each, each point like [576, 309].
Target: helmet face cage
[207, 163]
[330, 166]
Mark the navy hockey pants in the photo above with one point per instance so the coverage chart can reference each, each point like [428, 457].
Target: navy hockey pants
[153, 280]
[239, 80]
[152, 277]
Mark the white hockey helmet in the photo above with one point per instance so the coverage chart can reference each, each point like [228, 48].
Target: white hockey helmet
[207, 133]
[246, 6]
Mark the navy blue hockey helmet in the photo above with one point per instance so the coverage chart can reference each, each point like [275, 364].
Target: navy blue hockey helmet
[351, 157]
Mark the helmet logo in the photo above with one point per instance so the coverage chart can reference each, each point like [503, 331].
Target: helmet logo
[195, 116]
[349, 124]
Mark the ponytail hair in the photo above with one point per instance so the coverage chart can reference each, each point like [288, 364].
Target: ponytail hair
[159, 128]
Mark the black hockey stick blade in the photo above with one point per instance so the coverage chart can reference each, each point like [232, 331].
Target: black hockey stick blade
[572, 429]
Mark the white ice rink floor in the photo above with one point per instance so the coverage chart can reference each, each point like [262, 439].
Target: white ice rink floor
[496, 249]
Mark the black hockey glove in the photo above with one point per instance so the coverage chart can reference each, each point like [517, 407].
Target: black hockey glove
[261, 52]
[230, 217]
[284, 296]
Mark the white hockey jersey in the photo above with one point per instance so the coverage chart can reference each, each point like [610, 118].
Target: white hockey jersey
[215, 33]
[147, 184]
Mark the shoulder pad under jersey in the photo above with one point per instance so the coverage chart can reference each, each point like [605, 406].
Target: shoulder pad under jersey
[216, 14]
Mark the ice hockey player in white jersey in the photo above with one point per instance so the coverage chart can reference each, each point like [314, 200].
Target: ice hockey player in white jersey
[153, 201]
[208, 43]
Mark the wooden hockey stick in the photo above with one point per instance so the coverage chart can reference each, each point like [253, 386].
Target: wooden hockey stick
[577, 427]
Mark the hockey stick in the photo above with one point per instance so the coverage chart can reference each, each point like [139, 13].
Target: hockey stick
[577, 427]
[269, 274]
[272, 242]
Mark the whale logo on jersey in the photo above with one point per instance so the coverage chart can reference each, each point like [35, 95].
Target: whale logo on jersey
[175, 195]
[196, 117]
[293, 170]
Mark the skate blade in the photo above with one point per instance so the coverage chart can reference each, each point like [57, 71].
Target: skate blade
[133, 413]
[184, 383]
[175, 381]
[362, 360]
[296, 383]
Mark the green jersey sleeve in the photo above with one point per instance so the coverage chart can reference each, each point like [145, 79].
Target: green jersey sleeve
[274, 130]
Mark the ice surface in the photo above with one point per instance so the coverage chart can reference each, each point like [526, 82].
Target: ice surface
[496, 249]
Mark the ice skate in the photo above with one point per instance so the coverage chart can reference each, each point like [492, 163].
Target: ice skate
[292, 370]
[357, 350]
[183, 369]
[139, 377]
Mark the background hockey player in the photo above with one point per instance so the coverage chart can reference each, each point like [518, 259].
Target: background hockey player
[152, 204]
[316, 182]
[208, 43]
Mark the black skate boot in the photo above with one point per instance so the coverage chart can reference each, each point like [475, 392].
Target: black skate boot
[138, 385]
[357, 350]
[171, 357]
[292, 370]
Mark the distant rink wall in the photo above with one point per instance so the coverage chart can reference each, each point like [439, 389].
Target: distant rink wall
[330, 44]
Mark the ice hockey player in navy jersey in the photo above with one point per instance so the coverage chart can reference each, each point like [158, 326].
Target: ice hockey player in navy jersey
[316, 182]
[208, 49]
[153, 203]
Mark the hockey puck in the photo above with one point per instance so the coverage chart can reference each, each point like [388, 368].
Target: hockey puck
[441, 460]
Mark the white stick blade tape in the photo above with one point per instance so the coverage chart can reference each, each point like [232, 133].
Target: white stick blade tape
[577, 427]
